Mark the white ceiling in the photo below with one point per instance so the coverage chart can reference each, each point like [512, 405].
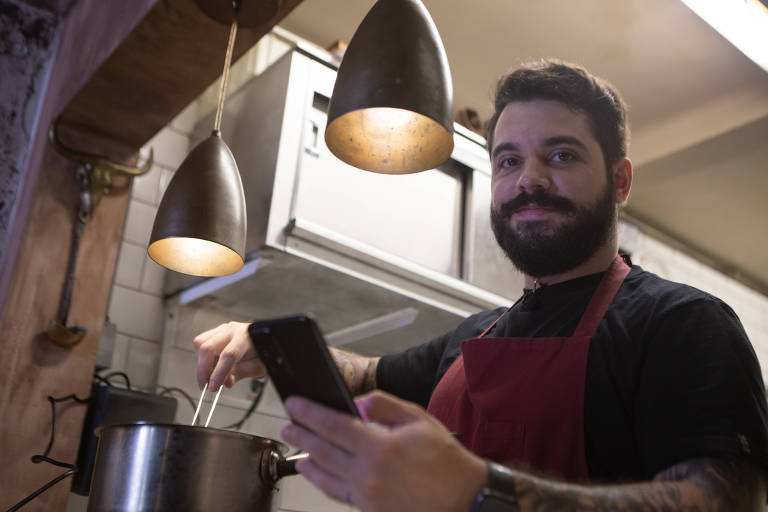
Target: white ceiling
[698, 106]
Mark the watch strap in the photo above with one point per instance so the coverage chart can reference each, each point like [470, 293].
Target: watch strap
[499, 490]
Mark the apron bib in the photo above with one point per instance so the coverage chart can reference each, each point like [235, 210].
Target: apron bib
[520, 401]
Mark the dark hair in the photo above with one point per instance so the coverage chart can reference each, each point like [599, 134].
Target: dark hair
[577, 89]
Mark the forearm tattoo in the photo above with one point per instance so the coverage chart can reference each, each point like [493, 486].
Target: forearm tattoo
[692, 486]
[359, 372]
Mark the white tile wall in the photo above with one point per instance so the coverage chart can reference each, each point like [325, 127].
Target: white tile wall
[179, 370]
[120, 353]
[143, 363]
[266, 426]
[197, 319]
[170, 147]
[185, 121]
[222, 416]
[137, 314]
[297, 494]
[138, 222]
[271, 403]
[153, 276]
[145, 186]
[129, 265]
[165, 179]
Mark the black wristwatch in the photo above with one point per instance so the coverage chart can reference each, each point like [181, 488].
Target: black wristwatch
[499, 493]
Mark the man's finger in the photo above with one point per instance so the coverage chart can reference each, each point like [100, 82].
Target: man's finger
[331, 458]
[251, 367]
[339, 428]
[207, 348]
[385, 409]
[205, 358]
[334, 487]
[228, 358]
[203, 336]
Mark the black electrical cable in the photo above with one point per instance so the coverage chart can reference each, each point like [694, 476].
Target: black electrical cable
[169, 391]
[42, 489]
[251, 409]
[239, 424]
[71, 468]
[99, 378]
[53, 401]
[42, 458]
[105, 379]
[119, 374]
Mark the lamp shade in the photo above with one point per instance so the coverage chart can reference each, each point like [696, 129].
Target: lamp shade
[392, 105]
[200, 226]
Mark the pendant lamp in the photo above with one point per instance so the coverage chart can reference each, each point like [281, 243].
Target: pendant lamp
[200, 226]
[391, 110]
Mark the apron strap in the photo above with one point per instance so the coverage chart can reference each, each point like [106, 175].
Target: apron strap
[602, 298]
[598, 305]
[501, 316]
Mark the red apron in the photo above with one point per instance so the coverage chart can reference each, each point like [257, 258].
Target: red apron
[520, 401]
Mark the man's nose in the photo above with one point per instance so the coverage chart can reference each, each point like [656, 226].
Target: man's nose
[534, 175]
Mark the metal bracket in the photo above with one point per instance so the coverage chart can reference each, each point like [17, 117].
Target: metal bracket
[96, 174]
[95, 179]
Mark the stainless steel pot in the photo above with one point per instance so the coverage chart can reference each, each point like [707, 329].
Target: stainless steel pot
[161, 467]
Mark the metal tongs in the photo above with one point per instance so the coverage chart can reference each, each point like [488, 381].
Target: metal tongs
[202, 395]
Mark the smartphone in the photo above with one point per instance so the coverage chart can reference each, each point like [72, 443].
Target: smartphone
[299, 363]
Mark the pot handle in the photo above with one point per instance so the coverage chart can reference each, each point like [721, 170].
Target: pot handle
[286, 466]
[278, 466]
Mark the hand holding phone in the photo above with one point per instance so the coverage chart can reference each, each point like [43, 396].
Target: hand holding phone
[299, 363]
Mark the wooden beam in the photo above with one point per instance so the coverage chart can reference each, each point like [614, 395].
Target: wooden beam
[164, 64]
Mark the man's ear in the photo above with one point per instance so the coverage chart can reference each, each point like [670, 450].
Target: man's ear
[622, 180]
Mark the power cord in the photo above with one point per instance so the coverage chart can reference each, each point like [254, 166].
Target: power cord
[258, 387]
[105, 379]
[170, 390]
[71, 468]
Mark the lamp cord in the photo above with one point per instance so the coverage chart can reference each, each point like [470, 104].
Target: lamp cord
[225, 75]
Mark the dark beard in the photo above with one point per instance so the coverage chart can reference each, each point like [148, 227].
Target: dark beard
[573, 242]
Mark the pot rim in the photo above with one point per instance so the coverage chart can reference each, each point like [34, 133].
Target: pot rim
[279, 446]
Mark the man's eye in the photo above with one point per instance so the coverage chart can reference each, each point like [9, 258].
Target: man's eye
[508, 162]
[563, 156]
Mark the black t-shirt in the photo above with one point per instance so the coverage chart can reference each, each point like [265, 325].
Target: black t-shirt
[671, 374]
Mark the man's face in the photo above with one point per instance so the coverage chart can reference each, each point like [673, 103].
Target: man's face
[553, 204]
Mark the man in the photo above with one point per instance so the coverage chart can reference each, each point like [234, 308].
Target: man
[603, 388]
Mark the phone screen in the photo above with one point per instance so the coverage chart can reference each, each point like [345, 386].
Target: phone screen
[299, 363]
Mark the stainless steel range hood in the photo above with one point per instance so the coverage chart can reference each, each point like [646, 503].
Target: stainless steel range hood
[381, 262]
